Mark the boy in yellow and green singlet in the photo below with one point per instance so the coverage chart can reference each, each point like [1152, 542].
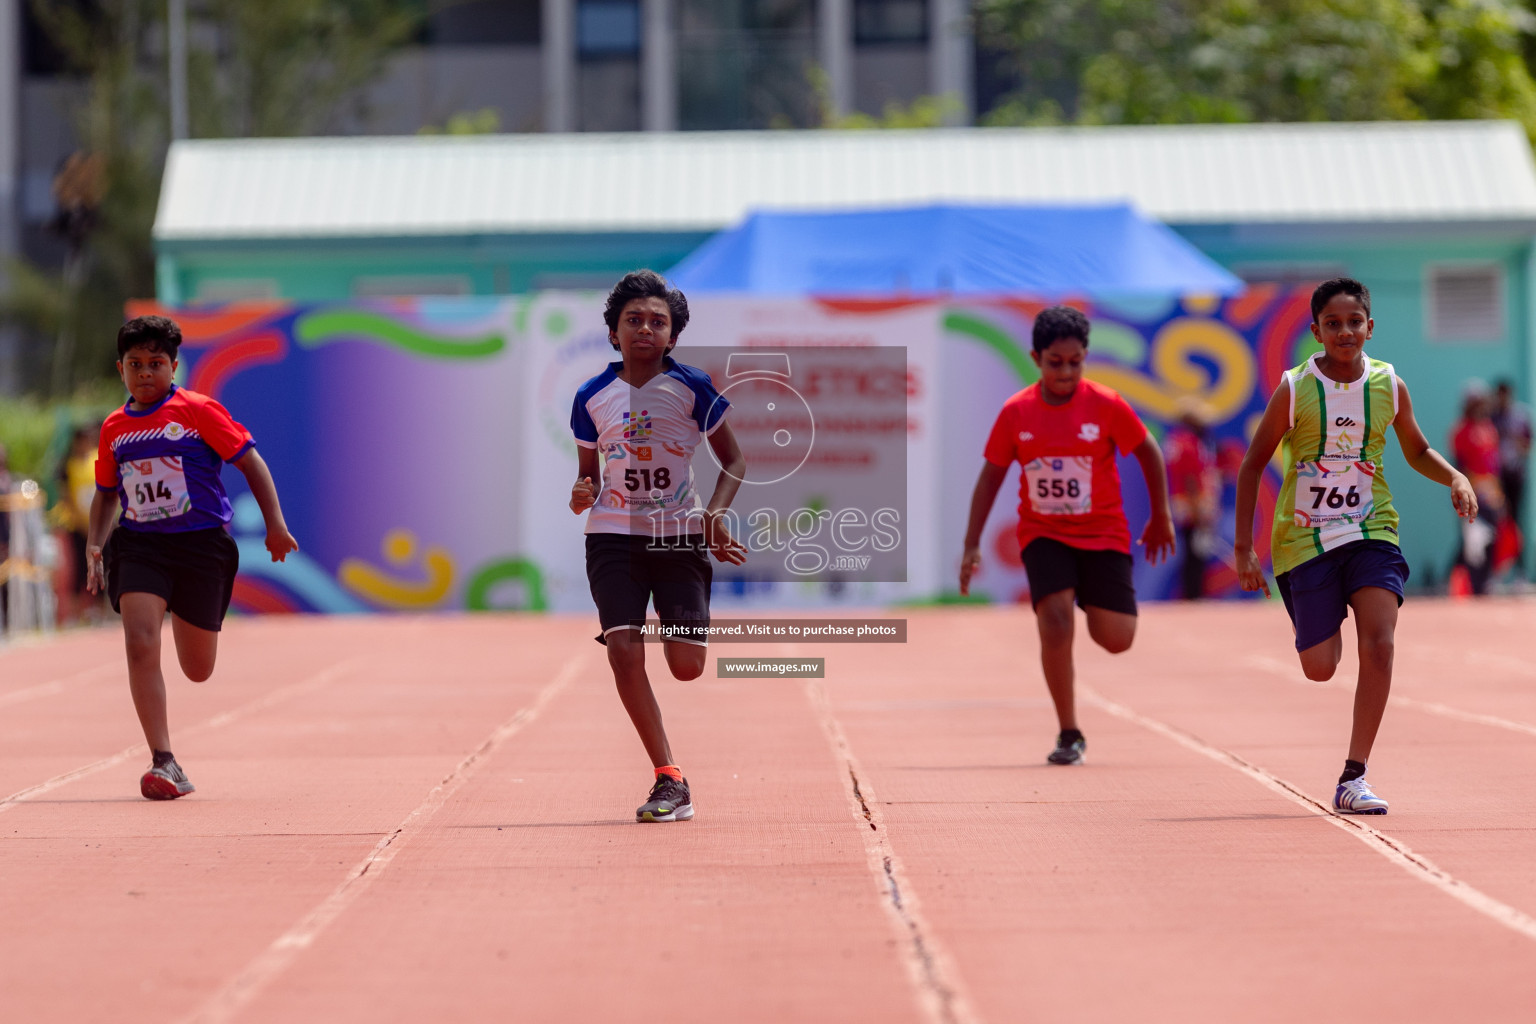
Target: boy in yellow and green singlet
[1335, 536]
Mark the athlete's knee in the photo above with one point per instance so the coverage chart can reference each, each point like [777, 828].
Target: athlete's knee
[1377, 647]
[626, 648]
[686, 661]
[1115, 641]
[142, 638]
[1055, 620]
[198, 670]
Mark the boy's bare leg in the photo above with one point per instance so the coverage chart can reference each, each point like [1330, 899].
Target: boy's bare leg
[1112, 631]
[1053, 615]
[1375, 625]
[685, 660]
[143, 615]
[1319, 661]
[196, 648]
[626, 654]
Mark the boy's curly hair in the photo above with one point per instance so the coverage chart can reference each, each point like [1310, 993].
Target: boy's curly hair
[156, 333]
[1339, 286]
[645, 284]
[1056, 323]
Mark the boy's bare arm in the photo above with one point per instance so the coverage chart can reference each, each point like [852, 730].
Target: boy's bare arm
[259, 478]
[584, 491]
[1157, 539]
[1272, 427]
[103, 511]
[988, 482]
[733, 465]
[1426, 461]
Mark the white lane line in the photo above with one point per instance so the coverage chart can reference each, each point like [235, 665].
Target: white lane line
[282, 693]
[236, 995]
[1292, 674]
[1394, 850]
[940, 992]
[53, 686]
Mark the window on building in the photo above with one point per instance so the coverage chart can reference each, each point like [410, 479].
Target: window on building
[1466, 302]
[486, 23]
[607, 28]
[890, 21]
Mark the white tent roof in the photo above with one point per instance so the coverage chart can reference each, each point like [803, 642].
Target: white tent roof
[506, 184]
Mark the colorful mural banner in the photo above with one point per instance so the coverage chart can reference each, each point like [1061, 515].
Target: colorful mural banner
[423, 451]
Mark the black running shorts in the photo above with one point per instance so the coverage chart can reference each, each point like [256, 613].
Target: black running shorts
[626, 572]
[1102, 579]
[194, 571]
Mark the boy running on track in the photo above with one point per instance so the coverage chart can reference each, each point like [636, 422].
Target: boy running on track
[159, 458]
[1334, 544]
[637, 424]
[1064, 431]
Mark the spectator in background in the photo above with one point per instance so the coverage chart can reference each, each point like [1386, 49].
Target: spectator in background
[77, 486]
[1475, 449]
[1512, 420]
[5, 534]
[1194, 486]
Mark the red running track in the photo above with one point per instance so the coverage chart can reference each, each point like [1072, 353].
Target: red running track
[429, 819]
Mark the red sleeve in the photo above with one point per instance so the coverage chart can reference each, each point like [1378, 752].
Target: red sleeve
[1002, 444]
[107, 477]
[1126, 428]
[218, 428]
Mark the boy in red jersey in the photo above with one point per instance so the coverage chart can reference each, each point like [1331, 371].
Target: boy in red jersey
[1076, 542]
[159, 458]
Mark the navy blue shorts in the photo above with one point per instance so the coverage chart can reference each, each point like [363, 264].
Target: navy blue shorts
[1316, 593]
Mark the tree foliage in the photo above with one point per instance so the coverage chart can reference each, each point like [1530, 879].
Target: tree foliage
[274, 68]
[1182, 61]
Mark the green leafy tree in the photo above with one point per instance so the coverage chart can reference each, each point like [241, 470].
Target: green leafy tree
[274, 68]
[1184, 61]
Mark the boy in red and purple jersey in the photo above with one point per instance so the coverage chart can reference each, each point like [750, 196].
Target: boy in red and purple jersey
[1076, 543]
[159, 460]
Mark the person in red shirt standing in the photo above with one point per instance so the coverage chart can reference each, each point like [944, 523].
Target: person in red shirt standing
[1064, 431]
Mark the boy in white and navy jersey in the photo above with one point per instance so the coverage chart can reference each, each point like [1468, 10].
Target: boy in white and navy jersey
[159, 460]
[636, 426]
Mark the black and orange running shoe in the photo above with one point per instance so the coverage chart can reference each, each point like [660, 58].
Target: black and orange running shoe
[669, 801]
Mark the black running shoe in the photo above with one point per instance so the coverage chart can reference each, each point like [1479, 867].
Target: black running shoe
[1067, 753]
[669, 801]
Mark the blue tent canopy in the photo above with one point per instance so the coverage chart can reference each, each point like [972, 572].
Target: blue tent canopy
[1046, 251]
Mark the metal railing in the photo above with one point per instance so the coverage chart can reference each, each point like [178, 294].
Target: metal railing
[27, 601]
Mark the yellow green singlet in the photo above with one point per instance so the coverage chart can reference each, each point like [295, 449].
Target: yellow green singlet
[1335, 488]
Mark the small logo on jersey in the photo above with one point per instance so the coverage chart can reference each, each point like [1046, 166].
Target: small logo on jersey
[1025, 435]
[1345, 442]
[637, 424]
[1090, 432]
[173, 431]
[1343, 421]
[643, 453]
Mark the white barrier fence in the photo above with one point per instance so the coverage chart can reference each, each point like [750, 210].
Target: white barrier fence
[28, 555]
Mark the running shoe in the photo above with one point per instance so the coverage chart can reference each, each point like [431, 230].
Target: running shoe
[1355, 797]
[165, 782]
[669, 801]
[1068, 753]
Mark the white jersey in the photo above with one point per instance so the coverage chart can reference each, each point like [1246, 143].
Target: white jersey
[645, 438]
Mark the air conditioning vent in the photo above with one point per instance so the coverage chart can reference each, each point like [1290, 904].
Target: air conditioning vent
[1466, 303]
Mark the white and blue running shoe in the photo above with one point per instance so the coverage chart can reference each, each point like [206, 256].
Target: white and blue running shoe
[1355, 797]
